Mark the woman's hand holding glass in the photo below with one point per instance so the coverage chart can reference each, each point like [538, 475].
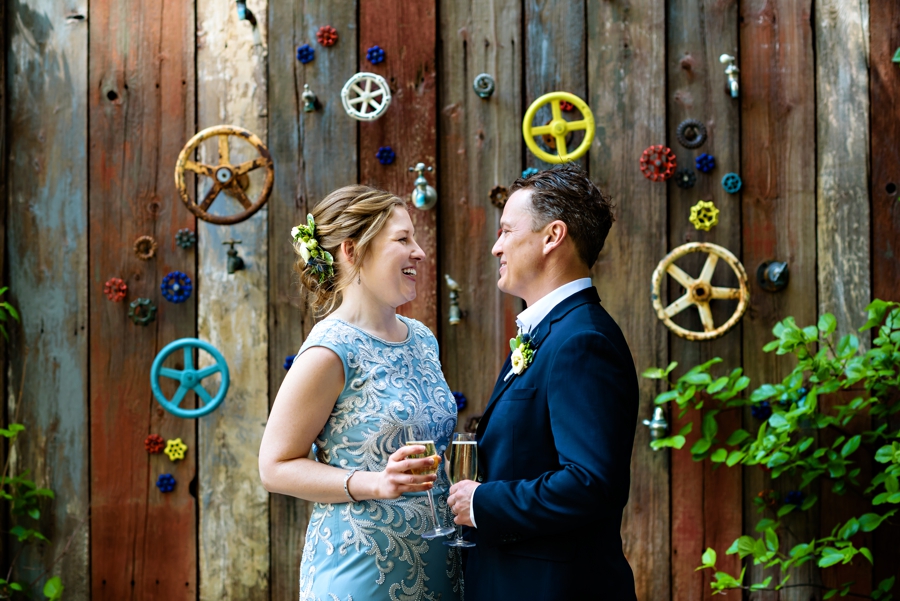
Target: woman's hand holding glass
[404, 474]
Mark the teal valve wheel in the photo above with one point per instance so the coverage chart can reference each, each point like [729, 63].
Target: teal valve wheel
[190, 378]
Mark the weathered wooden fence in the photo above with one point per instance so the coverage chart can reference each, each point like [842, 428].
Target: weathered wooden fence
[99, 98]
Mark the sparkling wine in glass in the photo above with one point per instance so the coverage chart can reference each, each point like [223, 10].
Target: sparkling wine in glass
[419, 434]
[462, 464]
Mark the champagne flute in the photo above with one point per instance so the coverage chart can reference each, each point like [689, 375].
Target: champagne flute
[420, 434]
[462, 464]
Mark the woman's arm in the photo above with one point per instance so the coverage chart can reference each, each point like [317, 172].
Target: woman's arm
[300, 411]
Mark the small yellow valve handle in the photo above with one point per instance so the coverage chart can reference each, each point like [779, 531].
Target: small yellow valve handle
[558, 127]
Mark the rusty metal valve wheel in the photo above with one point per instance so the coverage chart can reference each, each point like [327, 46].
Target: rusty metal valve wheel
[658, 163]
[225, 176]
[145, 248]
[700, 291]
[115, 289]
[691, 133]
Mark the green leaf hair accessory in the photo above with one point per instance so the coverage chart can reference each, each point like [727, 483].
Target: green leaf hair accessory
[317, 258]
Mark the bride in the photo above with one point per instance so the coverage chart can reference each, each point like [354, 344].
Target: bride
[363, 373]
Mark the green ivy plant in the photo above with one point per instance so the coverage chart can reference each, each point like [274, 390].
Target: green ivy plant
[785, 440]
[24, 497]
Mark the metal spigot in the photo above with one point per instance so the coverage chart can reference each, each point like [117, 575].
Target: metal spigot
[658, 425]
[773, 276]
[731, 71]
[235, 263]
[455, 314]
[424, 197]
[244, 13]
[309, 99]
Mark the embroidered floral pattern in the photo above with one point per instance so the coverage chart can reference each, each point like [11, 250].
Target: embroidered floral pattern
[388, 385]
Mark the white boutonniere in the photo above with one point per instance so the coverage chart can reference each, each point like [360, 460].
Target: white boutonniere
[522, 354]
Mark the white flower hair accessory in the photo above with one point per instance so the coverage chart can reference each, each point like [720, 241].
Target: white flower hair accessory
[317, 258]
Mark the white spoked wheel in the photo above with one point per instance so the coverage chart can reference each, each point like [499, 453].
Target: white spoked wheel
[366, 96]
[700, 291]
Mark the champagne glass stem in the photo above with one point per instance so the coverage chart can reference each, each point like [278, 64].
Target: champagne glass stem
[433, 513]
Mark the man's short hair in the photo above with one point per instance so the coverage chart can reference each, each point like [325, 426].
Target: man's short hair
[567, 194]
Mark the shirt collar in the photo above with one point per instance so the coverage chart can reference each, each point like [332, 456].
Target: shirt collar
[529, 319]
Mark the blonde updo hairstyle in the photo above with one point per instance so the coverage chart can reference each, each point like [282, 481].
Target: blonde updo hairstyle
[356, 213]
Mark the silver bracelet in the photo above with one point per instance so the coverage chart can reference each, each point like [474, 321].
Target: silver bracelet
[346, 489]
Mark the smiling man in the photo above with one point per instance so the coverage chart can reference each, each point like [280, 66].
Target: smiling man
[555, 440]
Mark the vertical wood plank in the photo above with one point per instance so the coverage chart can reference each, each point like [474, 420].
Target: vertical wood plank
[706, 502]
[842, 162]
[47, 238]
[4, 190]
[884, 88]
[779, 214]
[314, 153]
[626, 77]
[232, 312]
[555, 46]
[480, 148]
[141, 109]
[407, 31]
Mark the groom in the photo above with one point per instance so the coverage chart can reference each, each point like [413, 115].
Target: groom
[555, 440]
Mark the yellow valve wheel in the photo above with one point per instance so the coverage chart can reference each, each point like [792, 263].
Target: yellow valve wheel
[175, 449]
[700, 291]
[704, 215]
[558, 127]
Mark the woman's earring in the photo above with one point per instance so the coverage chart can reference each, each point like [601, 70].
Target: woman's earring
[358, 279]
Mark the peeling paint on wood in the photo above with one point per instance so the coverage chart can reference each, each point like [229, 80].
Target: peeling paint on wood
[232, 312]
[143, 542]
[779, 215]
[47, 238]
[706, 503]
[481, 148]
[842, 150]
[626, 79]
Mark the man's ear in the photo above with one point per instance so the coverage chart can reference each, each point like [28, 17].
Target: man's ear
[555, 233]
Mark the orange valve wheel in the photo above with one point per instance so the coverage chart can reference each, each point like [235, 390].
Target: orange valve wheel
[226, 177]
[700, 291]
[558, 127]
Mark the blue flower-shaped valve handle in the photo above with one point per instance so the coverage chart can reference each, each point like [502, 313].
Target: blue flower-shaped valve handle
[732, 183]
[375, 55]
[705, 163]
[305, 53]
[190, 378]
[176, 287]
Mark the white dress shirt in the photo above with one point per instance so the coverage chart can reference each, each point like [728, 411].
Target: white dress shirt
[529, 319]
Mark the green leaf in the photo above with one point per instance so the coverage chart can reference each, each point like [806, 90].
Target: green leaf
[710, 426]
[867, 554]
[847, 346]
[673, 441]
[851, 445]
[885, 454]
[737, 437]
[830, 594]
[696, 379]
[777, 421]
[809, 502]
[701, 446]
[761, 585]
[827, 324]
[53, 588]
[771, 540]
[719, 455]
[709, 558]
[849, 529]
[887, 584]
[654, 373]
[734, 458]
[766, 391]
[870, 521]
[830, 556]
[785, 509]
[16, 586]
[35, 513]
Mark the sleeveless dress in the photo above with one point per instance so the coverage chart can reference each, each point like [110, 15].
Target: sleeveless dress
[373, 549]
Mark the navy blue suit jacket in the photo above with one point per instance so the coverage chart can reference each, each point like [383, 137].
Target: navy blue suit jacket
[554, 452]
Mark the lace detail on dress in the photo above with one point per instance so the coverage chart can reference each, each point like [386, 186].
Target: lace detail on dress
[387, 386]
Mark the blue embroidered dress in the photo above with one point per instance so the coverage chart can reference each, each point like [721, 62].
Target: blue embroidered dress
[373, 550]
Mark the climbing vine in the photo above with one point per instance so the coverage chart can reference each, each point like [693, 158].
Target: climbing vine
[785, 440]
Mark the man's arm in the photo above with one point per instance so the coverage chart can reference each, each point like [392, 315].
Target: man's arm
[592, 400]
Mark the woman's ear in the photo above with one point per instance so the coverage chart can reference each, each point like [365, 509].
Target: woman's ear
[348, 249]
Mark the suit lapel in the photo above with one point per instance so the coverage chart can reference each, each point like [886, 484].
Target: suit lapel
[587, 295]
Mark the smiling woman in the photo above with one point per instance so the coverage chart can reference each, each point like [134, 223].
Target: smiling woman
[362, 376]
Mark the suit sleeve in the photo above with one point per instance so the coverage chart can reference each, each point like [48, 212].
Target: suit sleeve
[592, 402]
